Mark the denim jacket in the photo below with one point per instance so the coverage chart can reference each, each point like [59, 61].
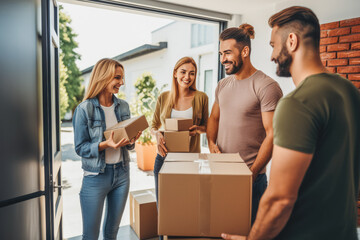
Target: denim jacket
[89, 126]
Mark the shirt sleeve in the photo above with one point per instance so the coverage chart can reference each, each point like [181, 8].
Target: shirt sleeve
[269, 97]
[205, 111]
[84, 147]
[295, 126]
[156, 123]
[217, 90]
[129, 146]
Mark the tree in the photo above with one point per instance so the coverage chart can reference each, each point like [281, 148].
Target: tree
[63, 94]
[145, 102]
[68, 55]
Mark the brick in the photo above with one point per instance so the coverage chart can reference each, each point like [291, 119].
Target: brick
[338, 47]
[350, 38]
[355, 29]
[325, 41]
[337, 62]
[323, 62]
[339, 32]
[354, 61]
[322, 49]
[325, 56]
[348, 54]
[349, 69]
[323, 34]
[357, 84]
[331, 69]
[350, 22]
[343, 75]
[353, 77]
[329, 25]
[355, 45]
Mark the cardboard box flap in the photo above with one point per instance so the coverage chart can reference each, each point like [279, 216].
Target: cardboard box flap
[205, 167]
[224, 157]
[230, 169]
[144, 196]
[180, 168]
[213, 157]
[181, 157]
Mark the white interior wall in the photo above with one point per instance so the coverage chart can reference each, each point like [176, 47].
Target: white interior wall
[326, 10]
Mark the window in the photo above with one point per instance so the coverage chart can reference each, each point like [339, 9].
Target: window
[201, 35]
[208, 89]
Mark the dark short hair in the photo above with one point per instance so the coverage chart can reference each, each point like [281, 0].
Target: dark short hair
[302, 20]
[241, 34]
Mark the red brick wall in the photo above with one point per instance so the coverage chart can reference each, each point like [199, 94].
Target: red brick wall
[340, 53]
[340, 48]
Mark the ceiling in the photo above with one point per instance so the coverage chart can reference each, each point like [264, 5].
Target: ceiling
[225, 6]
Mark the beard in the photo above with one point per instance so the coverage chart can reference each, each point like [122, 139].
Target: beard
[235, 68]
[283, 61]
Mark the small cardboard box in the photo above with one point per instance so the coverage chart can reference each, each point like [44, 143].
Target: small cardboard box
[204, 195]
[143, 213]
[177, 141]
[127, 129]
[178, 124]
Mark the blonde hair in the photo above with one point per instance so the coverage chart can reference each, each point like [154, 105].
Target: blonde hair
[102, 73]
[174, 92]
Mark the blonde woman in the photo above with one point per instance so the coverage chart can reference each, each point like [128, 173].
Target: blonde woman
[183, 101]
[105, 162]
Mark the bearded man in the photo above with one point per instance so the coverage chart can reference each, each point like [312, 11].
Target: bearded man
[241, 117]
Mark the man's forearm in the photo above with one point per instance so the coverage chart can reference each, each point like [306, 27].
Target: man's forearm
[273, 214]
[264, 154]
[211, 130]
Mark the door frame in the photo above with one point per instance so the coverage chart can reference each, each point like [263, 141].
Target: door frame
[50, 37]
[51, 115]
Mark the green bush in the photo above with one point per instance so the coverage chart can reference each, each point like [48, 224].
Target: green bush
[145, 102]
[63, 94]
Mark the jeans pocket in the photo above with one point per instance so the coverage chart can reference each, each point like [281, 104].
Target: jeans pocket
[91, 175]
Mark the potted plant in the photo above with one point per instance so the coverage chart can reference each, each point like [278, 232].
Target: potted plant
[144, 104]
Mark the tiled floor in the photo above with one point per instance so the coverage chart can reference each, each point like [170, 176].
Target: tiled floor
[125, 233]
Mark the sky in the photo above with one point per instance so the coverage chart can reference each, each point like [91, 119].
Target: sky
[108, 33]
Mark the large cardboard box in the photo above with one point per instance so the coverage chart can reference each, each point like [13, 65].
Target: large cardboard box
[204, 195]
[177, 141]
[178, 124]
[127, 129]
[143, 213]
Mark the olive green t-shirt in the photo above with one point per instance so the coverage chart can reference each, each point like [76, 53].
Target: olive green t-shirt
[322, 116]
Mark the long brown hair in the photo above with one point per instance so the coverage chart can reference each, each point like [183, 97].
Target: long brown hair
[174, 92]
[102, 73]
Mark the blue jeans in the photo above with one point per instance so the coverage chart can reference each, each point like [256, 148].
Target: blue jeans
[112, 186]
[159, 161]
[258, 189]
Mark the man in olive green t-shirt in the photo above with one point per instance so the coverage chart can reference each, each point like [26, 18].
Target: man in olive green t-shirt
[314, 179]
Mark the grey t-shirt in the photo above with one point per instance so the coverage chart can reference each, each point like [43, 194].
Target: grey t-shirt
[241, 103]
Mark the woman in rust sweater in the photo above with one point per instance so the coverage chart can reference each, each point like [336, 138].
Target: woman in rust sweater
[182, 101]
